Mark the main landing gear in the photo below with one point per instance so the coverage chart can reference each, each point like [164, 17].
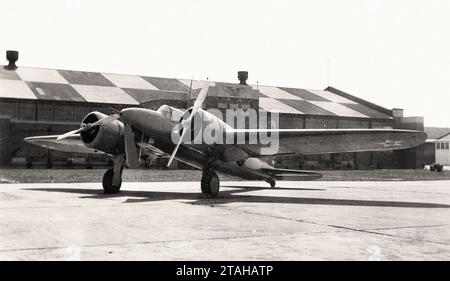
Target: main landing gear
[272, 182]
[112, 179]
[210, 183]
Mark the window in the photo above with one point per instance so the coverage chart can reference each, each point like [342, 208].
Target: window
[171, 113]
[26, 111]
[319, 123]
[291, 123]
[442, 145]
[64, 113]
[382, 124]
[45, 112]
[351, 123]
[10, 109]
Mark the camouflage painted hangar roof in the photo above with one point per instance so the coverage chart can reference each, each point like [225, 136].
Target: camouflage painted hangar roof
[80, 86]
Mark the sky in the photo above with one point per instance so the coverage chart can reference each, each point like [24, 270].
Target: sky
[393, 53]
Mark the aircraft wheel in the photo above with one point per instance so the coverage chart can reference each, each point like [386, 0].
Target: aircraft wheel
[148, 163]
[108, 186]
[210, 184]
[272, 183]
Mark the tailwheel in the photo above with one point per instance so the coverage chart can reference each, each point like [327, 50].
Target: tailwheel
[272, 182]
[111, 182]
[210, 184]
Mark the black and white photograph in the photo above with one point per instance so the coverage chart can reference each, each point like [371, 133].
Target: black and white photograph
[250, 131]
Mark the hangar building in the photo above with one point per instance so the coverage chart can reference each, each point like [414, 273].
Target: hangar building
[437, 148]
[38, 101]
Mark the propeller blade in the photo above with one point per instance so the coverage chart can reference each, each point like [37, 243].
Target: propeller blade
[69, 134]
[104, 119]
[176, 148]
[130, 148]
[187, 123]
[88, 126]
[200, 99]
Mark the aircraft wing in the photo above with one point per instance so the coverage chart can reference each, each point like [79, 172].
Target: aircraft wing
[70, 144]
[316, 141]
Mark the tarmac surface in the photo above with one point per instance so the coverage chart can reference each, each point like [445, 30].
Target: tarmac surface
[173, 221]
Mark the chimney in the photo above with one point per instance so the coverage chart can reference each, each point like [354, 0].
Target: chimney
[243, 76]
[12, 57]
[397, 112]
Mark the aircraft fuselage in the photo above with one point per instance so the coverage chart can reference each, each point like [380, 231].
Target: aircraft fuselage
[155, 125]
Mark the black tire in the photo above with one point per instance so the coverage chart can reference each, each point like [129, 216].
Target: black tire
[148, 163]
[108, 186]
[210, 184]
[272, 183]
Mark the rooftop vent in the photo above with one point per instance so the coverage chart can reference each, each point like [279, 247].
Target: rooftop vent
[12, 57]
[243, 76]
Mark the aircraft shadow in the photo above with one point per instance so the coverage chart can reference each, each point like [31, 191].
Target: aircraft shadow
[276, 188]
[230, 196]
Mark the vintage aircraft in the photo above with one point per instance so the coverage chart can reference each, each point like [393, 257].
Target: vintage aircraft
[126, 135]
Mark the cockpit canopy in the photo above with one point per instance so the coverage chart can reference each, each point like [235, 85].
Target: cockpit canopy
[171, 113]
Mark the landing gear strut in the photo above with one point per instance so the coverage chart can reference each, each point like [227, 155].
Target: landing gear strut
[112, 179]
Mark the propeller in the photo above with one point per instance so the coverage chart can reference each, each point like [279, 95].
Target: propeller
[130, 144]
[88, 126]
[185, 124]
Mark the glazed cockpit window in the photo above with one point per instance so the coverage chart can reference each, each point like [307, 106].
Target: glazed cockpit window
[171, 113]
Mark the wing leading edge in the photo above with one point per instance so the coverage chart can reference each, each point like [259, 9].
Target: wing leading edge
[316, 141]
[72, 143]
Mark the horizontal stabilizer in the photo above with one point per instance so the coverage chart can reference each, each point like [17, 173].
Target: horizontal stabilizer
[293, 175]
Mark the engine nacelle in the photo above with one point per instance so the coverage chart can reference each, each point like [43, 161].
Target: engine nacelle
[107, 137]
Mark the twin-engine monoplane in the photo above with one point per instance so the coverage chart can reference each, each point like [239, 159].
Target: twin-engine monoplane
[133, 132]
